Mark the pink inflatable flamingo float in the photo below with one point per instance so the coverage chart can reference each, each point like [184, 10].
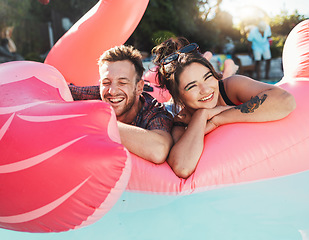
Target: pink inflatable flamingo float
[63, 167]
[40, 127]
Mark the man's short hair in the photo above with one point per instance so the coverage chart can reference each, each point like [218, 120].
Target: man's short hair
[122, 53]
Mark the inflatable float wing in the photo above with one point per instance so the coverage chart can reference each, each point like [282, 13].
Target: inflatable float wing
[62, 164]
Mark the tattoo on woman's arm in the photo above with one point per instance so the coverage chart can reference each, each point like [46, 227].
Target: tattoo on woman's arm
[253, 104]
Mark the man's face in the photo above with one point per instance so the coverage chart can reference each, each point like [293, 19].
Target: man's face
[118, 87]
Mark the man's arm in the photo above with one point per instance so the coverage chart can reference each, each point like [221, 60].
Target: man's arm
[152, 145]
[85, 92]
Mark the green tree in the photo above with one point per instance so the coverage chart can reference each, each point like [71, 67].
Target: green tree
[281, 25]
[179, 17]
[13, 12]
[29, 19]
[200, 21]
[16, 14]
[223, 23]
[208, 8]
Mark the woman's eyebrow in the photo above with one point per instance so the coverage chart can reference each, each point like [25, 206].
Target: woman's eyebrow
[190, 83]
[207, 75]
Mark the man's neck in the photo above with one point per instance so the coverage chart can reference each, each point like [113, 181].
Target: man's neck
[129, 117]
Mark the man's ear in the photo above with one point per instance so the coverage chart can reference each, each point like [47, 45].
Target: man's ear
[140, 86]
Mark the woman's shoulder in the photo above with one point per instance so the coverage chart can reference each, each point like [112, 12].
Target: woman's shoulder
[236, 85]
[237, 82]
[236, 78]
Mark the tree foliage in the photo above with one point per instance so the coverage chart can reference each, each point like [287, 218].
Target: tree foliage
[200, 21]
[180, 17]
[29, 19]
[208, 7]
[281, 25]
[72, 9]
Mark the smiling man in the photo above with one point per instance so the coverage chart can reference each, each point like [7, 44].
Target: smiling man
[144, 123]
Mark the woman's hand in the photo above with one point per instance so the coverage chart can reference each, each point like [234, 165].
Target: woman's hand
[198, 119]
[208, 114]
[216, 110]
[212, 124]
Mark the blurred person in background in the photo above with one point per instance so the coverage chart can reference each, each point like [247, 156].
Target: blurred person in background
[259, 37]
[8, 48]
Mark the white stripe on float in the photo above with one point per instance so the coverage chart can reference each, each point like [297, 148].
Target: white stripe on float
[48, 118]
[30, 162]
[5, 127]
[39, 212]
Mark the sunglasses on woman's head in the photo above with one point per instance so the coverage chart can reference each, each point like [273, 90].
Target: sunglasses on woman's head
[174, 56]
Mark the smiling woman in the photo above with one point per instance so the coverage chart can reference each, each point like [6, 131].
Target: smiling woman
[207, 102]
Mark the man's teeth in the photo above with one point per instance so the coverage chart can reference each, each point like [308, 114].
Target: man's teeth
[115, 100]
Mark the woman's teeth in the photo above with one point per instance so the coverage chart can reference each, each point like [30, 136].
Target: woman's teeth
[207, 98]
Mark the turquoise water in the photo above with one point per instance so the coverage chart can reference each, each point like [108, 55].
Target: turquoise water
[275, 209]
[271, 81]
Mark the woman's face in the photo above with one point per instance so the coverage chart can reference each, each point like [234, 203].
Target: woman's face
[198, 88]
